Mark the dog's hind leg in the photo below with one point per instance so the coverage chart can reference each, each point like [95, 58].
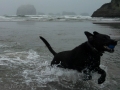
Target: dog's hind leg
[57, 63]
[54, 62]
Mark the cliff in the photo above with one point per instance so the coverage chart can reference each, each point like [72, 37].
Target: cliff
[111, 9]
[26, 10]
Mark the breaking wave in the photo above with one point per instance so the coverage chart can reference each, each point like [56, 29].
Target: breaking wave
[42, 18]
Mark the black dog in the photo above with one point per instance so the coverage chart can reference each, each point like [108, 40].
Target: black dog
[86, 57]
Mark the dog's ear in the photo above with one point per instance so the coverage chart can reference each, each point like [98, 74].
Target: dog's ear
[89, 36]
[95, 33]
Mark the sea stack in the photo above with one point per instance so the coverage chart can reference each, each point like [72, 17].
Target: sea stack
[111, 10]
[26, 10]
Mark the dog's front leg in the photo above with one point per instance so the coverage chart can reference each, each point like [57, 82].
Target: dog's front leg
[87, 75]
[103, 75]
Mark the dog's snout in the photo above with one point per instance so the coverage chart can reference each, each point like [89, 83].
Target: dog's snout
[114, 42]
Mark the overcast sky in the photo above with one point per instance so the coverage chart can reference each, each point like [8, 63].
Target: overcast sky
[9, 7]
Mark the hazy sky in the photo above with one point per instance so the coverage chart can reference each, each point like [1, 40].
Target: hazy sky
[9, 7]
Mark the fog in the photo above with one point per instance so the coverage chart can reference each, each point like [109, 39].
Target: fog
[9, 7]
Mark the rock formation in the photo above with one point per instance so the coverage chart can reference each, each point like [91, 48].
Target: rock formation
[26, 10]
[68, 13]
[111, 9]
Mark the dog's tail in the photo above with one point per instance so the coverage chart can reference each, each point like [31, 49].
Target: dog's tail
[48, 45]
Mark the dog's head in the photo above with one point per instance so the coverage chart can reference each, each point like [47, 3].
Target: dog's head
[101, 42]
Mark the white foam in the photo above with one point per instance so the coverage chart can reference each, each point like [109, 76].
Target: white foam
[55, 18]
[32, 55]
[3, 46]
[44, 74]
[39, 70]
[44, 18]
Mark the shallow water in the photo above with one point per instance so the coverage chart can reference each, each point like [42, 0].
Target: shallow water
[25, 60]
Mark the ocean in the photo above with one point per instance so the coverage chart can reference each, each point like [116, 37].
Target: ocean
[25, 60]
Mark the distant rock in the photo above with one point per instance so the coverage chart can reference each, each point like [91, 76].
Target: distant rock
[26, 10]
[58, 14]
[68, 13]
[84, 14]
[50, 13]
[41, 13]
[111, 9]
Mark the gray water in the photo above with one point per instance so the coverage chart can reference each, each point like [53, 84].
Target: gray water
[25, 60]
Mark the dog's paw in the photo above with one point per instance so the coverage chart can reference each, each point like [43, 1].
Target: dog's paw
[101, 80]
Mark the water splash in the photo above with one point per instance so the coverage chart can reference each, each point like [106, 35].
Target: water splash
[36, 72]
